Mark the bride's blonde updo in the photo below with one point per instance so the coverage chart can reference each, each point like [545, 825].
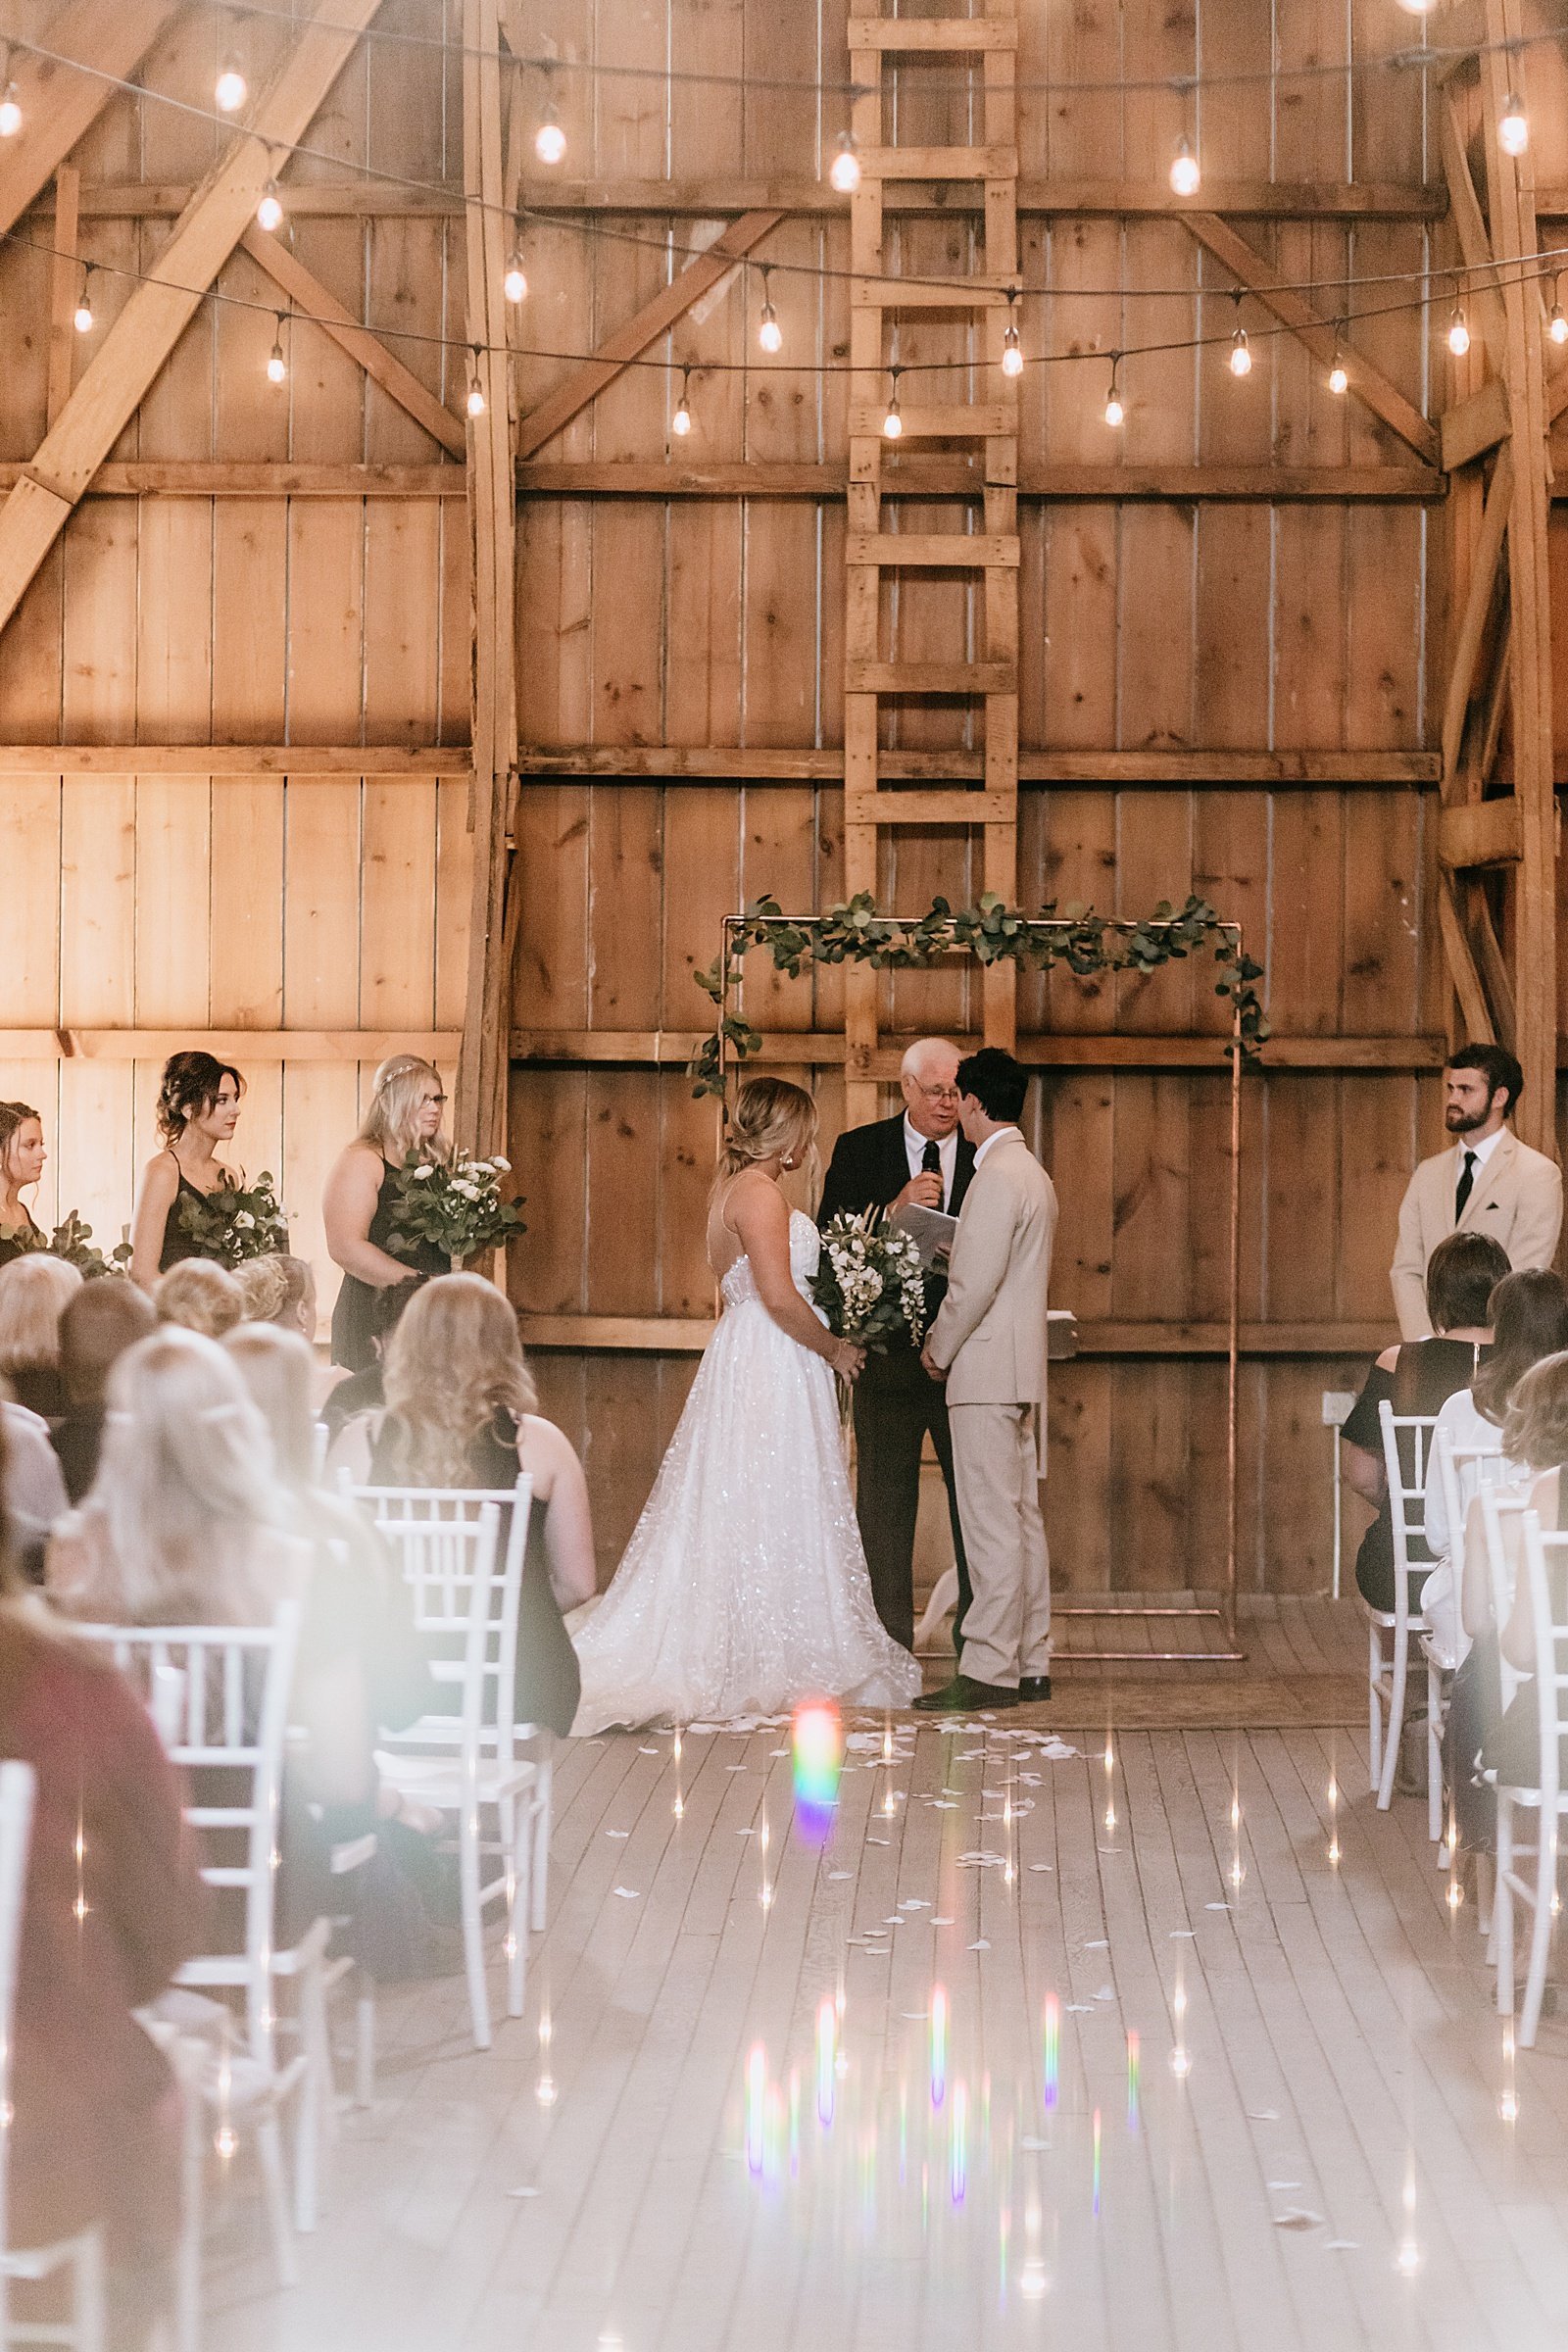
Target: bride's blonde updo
[770, 1117]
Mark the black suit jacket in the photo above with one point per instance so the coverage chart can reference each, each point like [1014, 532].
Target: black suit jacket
[870, 1167]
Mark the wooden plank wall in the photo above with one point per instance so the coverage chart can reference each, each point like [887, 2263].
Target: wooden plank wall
[718, 622]
[236, 902]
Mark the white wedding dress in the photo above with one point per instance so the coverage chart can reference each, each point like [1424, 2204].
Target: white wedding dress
[744, 1589]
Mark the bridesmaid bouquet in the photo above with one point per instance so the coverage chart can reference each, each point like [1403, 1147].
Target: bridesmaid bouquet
[236, 1222]
[72, 1241]
[455, 1207]
[869, 1282]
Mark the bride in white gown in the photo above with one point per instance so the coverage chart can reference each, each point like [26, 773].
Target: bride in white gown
[744, 1589]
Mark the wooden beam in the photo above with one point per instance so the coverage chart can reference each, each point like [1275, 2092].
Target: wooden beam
[157, 313]
[323, 308]
[299, 761]
[1183, 771]
[937, 551]
[654, 320]
[689, 1335]
[925, 476]
[1060, 198]
[1478, 833]
[59, 105]
[1474, 1009]
[308, 199]
[1472, 426]
[1368, 384]
[1482, 303]
[826, 1049]
[1485, 564]
[229, 1045]
[64, 281]
[202, 477]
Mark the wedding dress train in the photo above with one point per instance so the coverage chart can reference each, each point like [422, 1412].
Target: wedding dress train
[744, 1589]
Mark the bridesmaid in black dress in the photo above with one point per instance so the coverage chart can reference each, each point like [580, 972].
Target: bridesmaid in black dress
[407, 1101]
[198, 1110]
[21, 1161]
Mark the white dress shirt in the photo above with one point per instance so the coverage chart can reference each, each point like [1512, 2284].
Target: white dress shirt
[914, 1144]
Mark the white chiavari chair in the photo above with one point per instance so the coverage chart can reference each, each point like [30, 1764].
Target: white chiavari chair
[1390, 1632]
[82, 2255]
[1463, 1470]
[1545, 1568]
[447, 1543]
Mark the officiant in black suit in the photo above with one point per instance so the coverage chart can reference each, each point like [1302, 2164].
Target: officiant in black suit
[917, 1155]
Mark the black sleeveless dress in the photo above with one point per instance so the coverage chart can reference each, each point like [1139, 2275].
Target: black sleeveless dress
[177, 1243]
[27, 1238]
[351, 1344]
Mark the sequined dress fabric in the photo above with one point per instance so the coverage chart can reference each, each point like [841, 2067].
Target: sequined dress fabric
[744, 1589]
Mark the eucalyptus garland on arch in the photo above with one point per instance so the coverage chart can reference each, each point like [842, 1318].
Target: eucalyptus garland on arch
[1088, 944]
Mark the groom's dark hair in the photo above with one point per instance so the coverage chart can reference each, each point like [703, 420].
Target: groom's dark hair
[997, 1081]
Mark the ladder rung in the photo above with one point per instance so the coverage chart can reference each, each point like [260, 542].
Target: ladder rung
[930, 808]
[947, 551]
[933, 32]
[912, 294]
[930, 677]
[939, 163]
[954, 420]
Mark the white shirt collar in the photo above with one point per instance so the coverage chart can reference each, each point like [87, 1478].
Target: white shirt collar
[1482, 1151]
[1001, 1136]
[914, 1144]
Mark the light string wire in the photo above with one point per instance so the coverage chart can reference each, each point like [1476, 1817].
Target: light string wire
[1531, 271]
[1416, 58]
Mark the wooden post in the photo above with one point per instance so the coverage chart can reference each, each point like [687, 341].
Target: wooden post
[480, 1121]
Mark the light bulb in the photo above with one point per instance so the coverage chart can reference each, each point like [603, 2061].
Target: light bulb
[681, 423]
[770, 334]
[515, 286]
[269, 211]
[845, 173]
[1458, 335]
[9, 113]
[83, 317]
[1557, 325]
[1513, 131]
[475, 402]
[1184, 172]
[1339, 380]
[549, 140]
[892, 422]
[1011, 352]
[228, 91]
[1418, 8]
[277, 368]
[1116, 414]
[1241, 352]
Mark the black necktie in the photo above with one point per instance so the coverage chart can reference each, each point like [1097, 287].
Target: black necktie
[1465, 1186]
[931, 1161]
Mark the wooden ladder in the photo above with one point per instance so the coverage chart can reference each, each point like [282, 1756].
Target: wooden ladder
[870, 549]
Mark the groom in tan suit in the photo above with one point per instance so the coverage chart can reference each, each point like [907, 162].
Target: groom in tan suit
[989, 1343]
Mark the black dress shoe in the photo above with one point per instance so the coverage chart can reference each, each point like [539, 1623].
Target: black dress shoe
[1033, 1685]
[963, 1695]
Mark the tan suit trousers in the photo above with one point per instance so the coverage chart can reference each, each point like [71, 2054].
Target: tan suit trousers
[995, 1462]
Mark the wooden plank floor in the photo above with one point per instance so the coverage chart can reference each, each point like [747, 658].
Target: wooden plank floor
[1168, 2042]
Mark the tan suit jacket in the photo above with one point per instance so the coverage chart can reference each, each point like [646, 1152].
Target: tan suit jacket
[1517, 1199]
[989, 1331]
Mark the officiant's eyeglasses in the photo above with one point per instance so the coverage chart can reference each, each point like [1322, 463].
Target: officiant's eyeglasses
[939, 1094]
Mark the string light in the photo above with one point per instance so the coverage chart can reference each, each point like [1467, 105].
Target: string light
[681, 423]
[893, 422]
[269, 211]
[83, 313]
[1185, 176]
[515, 284]
[1011, 348]
[769, 334]
[10, 103]
[1339, 377]
[1115, 415]
[1513, 130]
[549, 140]
[1241, 349]
[229, 89]
[1459, 333]
[1556, 323]
[476, 401]
[845, 171]
[276, 365]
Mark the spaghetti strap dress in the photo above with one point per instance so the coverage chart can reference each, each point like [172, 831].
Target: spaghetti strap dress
[351, 1344]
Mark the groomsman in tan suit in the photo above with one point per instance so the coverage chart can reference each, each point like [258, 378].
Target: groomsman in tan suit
[1487, 1182]
[989, 1343]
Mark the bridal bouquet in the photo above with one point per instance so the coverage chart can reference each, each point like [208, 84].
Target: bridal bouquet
[456, 1206]
[235, 1222]
[869, 1282]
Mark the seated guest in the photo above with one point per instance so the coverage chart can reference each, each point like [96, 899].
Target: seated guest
[37, 1491]
[184, 1523]
[102, 1320]
[33, 1292]
[1529, 1317]
[279, 1289]
[200, 1295]
[1418, 1376]
[460, 1413]
[113, 1906]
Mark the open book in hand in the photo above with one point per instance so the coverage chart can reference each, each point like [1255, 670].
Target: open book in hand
[930, 1231]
